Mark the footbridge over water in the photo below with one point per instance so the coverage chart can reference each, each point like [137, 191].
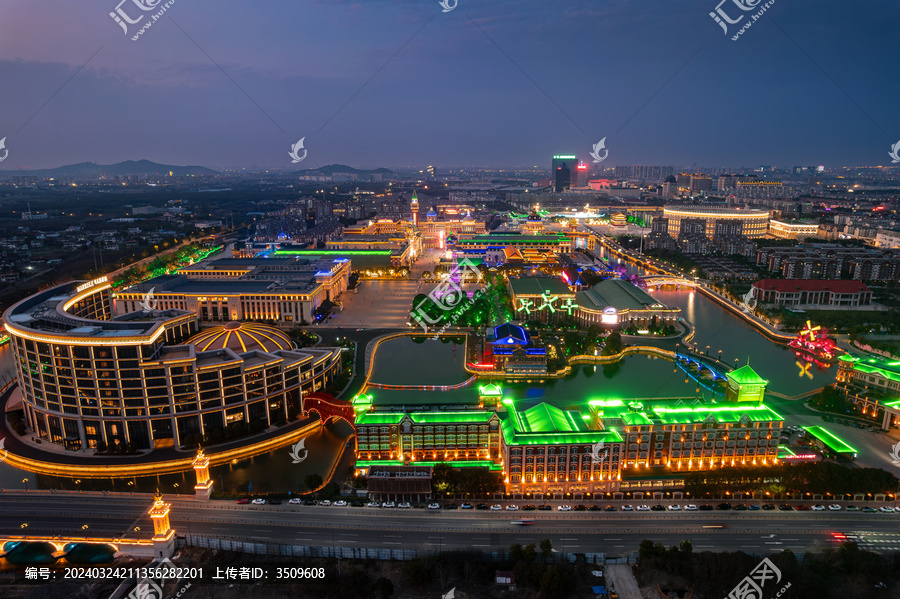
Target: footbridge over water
[668, 280]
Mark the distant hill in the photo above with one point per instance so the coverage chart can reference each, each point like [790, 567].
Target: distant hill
[90, 170]
[331, 169]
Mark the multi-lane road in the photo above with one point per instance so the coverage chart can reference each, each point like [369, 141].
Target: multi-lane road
[574, 532]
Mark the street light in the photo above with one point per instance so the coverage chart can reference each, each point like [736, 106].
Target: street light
[25, 480]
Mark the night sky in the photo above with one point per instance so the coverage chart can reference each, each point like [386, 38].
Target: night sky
[494, 83]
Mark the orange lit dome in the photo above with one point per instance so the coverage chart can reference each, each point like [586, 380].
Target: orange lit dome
[242, 337]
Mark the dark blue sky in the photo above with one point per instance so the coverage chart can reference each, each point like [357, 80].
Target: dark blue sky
[450, 96]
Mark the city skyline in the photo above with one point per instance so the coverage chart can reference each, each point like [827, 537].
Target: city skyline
[505, 85]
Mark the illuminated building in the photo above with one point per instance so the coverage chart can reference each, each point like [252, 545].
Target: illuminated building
[609, 446]
[793, 230]
[562, 169]
[281, 288]
[541, 298]
[147, 379]
[512, 351]
[617, 304]
[755, 223]
[811, 292]
[829, 444]
[618, 220]
[870, 375]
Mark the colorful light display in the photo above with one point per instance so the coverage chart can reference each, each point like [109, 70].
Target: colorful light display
[814, 341]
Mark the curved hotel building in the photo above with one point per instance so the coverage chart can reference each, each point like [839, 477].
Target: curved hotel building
[753, 223]
[149, 378]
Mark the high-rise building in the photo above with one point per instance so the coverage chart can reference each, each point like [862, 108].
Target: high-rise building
[581, 176]
[563, 180]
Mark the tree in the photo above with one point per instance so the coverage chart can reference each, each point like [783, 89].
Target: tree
[312, 482]
[546, 548]
[385, 587]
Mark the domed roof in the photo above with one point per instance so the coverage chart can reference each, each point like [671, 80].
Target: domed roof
[242, 337]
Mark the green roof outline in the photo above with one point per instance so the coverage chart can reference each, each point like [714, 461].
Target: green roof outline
[746, 376]
[831, 440]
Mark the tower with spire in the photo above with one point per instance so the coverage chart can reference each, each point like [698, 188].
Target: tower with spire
[414, 206]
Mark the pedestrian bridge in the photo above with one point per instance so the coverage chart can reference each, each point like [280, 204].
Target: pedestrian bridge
[661, 280]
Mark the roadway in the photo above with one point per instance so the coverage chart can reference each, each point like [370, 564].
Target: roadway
[573, 532]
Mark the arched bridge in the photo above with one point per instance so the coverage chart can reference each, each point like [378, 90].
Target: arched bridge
[660, 280]
[329, 408]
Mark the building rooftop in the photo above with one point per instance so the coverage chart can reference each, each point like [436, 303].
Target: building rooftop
[792, 285]
[546, 424]
[885, 367]
[831, 440]
[536, 286]
[242, 337]
[745, 376]
[617, 293]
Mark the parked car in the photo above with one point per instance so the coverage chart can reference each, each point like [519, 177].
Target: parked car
[580, 508]
[706, 508]
[628, 508]
[357, 503]
[869, 509]
[785, 508]
[466, 506]
[310, 502]
[496, 508]
[753, 507]
[388, 504]
[434, 506]
[834, 507]
[886, 509]
[818, 508]
[690, 508]
[674, 508]
[529, 507]
[325, 502]
[544, 507]
[450, 506]
[340, 503]
[243, 501]
[274, 501]
[768, 506]
[373, 504]
[802, 508]
[609, 508]
[643, 508]
[852, 508]
[564, 508]
[481, 506]
[512, 508]
[740, 508]
[658, 508]
[724, 506]
[295, 501]
[258, 501]
[404, 505]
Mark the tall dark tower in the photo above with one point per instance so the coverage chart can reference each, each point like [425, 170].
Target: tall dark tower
[563, 178]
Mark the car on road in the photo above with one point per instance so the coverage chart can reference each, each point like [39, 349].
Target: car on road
[740, 508]
[434, 506]
[373, 504]
[886, 509]
[628, 508]
[818, 508]
[768, 506]
[243, 501]
[529, 507]
[674, 508]
[690, 507]
[258, 501]
[753, 507]
[609, 508]
[658, 508]
[404, 505]
[512, 508]
[869, 510]
[466, 506]
[785, 508]
[481, 506]
[274, 502]
[834, 507]
[388, 504]
[802, 508]
[580, 508]
[852, 508]
[724, 506]
[564, 508]
[643, 508]
[310, 502]
[357, 504]
[706, 508]
[496, 508]
[544, 507]
[340, 503]
[295, 501]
